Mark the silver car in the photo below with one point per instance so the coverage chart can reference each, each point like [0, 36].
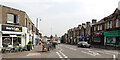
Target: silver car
[83, 44]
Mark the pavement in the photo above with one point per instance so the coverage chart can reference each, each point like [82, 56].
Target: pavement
[67, 52]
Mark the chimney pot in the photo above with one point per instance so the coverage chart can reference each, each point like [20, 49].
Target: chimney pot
[83, 23]
[94, 21]
[87, 23]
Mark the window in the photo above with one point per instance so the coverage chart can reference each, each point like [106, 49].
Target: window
[107, 25]
[32, 27]
[117, 23]
[26, 22]
[100, 27]
[110, 24]
[12, 18]
[29, 26]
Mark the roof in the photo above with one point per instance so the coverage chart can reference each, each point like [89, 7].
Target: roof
[12, 8]
[116, 12]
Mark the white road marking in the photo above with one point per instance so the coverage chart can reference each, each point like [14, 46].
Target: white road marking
[111, 52]
[91, 53]
[87, 53]
[103, 51]
[114, 57]
[63, 54]
[59, 55]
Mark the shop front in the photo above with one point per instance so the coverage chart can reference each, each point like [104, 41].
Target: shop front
[98, 38]
[112, 38]
[11, 36]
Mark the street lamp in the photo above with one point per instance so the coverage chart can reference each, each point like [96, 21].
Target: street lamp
[37, 23]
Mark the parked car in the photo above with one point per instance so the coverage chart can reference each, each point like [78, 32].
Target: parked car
[83, 44]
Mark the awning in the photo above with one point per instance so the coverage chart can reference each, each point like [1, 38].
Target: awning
[7, 32]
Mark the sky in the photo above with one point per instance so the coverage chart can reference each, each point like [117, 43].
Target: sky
[57, 16]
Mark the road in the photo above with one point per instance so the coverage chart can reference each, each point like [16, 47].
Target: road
[65, 51]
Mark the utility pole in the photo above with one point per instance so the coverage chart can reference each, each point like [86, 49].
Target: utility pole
[37, 23]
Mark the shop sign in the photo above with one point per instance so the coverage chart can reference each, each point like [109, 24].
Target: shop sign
[98, 33]
[114, 33]
[11, 28]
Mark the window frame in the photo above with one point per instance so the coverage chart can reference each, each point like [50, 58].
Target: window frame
[14, 18]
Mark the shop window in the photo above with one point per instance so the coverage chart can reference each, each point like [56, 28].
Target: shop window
[117, 23]
[111, 40]
[6, 41]
[16, 41]
[12, 18]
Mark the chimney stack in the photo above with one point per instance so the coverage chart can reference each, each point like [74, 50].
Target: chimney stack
[87, 23]
[83, 23]
[94, 21]
[79, 25]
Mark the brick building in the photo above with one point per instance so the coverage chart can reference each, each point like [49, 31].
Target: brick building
[16, 27]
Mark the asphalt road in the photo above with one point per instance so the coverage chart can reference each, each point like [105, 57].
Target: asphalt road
[68, 52]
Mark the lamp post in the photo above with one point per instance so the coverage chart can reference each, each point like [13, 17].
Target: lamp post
[37, 23]
[37, 28]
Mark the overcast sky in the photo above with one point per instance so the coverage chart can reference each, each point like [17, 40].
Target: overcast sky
[60, 15]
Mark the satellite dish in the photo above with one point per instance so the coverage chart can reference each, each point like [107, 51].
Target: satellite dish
[119, 5]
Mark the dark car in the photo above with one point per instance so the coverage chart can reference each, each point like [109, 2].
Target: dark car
[83, 44]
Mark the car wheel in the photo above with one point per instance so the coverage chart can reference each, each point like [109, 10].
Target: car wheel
[89, 47]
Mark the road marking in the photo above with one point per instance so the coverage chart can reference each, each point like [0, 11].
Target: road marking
[91, 53]
[114, 57]
[33, 54]
[59, 55]
[111, 52]
[63, 54]
[87, 53]
[103, 51]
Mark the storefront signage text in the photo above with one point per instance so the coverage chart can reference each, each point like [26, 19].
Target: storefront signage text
[11, 28]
